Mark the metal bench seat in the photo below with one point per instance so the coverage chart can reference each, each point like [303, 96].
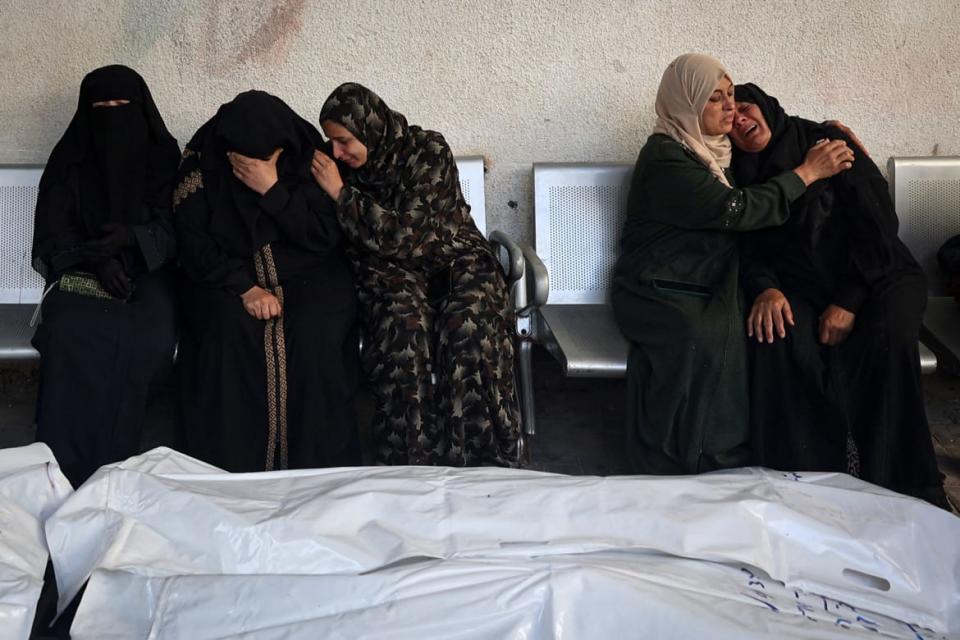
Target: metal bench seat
[585, 339]
[15, 333]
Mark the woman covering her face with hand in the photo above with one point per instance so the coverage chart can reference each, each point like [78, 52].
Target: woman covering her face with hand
[837, 304]
[676, 295]
[268, 354]
[434, 304]
[103, 240]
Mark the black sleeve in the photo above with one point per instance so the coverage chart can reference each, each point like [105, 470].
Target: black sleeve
[756, 274]
[306, 216]
[156, 239]
[202, 258]
[871, 225]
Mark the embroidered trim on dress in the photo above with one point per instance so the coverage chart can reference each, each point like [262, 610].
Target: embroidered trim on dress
[190, 184]
[275, 354]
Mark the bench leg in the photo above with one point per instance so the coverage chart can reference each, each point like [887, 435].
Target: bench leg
[526, 387]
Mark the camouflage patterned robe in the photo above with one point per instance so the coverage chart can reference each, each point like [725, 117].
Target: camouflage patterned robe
[433, 300]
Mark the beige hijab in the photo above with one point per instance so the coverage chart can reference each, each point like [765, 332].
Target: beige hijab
[686, 86]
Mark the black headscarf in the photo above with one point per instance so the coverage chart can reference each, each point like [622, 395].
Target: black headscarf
[253, 124]
[790, 139]
[114, 162]
[851, 212]
[385, 133]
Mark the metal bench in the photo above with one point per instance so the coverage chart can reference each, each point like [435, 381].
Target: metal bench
[21, 286]
[926, 192]
[579, 214]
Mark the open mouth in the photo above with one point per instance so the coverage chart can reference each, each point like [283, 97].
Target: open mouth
[749, 130]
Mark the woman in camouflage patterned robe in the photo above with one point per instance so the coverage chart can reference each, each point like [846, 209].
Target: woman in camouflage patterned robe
[434, 304]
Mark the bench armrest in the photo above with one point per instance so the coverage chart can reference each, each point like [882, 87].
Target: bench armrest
[526, 273]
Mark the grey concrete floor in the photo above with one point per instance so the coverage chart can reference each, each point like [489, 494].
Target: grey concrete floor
[579, 421]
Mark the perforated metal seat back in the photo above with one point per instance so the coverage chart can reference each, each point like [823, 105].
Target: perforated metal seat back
[19, 283]
[470, 169]
[579, 214]
[926, 194]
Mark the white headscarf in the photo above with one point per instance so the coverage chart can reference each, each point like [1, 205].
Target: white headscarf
[685, 88]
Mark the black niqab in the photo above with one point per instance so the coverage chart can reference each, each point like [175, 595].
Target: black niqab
[254, 124]
[114, 162]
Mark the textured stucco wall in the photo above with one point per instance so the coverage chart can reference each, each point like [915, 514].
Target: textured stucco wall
[518, 81]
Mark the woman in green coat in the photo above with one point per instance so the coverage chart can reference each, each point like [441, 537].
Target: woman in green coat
[675, 294]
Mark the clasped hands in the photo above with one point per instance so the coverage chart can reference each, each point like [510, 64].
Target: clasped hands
[771, 314]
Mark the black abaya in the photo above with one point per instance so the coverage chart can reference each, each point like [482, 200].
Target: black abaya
[855, 407]
[264, 394]
[104, 209]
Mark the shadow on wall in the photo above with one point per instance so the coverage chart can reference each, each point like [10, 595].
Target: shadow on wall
[234, 34]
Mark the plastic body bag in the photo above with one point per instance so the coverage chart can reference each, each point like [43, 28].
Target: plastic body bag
[177, 536]
[31, 488]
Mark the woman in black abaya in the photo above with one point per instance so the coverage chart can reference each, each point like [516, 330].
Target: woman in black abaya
[837, 305]
[269, 352]
[103, 240]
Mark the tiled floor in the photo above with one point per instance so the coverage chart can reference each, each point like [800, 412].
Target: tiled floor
[579, 421]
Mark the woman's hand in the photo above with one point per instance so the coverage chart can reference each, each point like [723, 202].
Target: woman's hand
[257, 174]
[836, 323]
[261, 304]
[825, 159]
[847, 131]
[326, 173]
[771, 310]
[113, 278]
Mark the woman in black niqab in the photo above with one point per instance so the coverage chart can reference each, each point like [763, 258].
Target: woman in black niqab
[103, 240]
[825, 396]
[268, 354]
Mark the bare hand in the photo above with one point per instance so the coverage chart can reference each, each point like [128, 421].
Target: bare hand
[261, 304]
[825, 159]
[326, 173]
[257, 174]
[847, 131]
[836, 323]
[771, 310]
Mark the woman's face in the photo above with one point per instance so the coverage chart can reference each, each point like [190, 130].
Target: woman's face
[717, 116]
[750, 130]
[346, 147]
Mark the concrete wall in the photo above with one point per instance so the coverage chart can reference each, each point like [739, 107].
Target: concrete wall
[518, 81]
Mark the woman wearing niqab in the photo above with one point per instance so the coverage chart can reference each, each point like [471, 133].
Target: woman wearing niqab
[269, 352]
[826, 397]
[439, 354]
[104, 242]
[676, 295]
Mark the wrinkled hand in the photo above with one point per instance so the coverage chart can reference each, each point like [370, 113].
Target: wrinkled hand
[326, 173]
[771, 310]
[261, 304]
[825, 159]
[847, 131]
[115, 238]
[114, 279]
[257, 174]
[836, 323]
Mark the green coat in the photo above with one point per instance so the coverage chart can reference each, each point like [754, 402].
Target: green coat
[677, 300]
